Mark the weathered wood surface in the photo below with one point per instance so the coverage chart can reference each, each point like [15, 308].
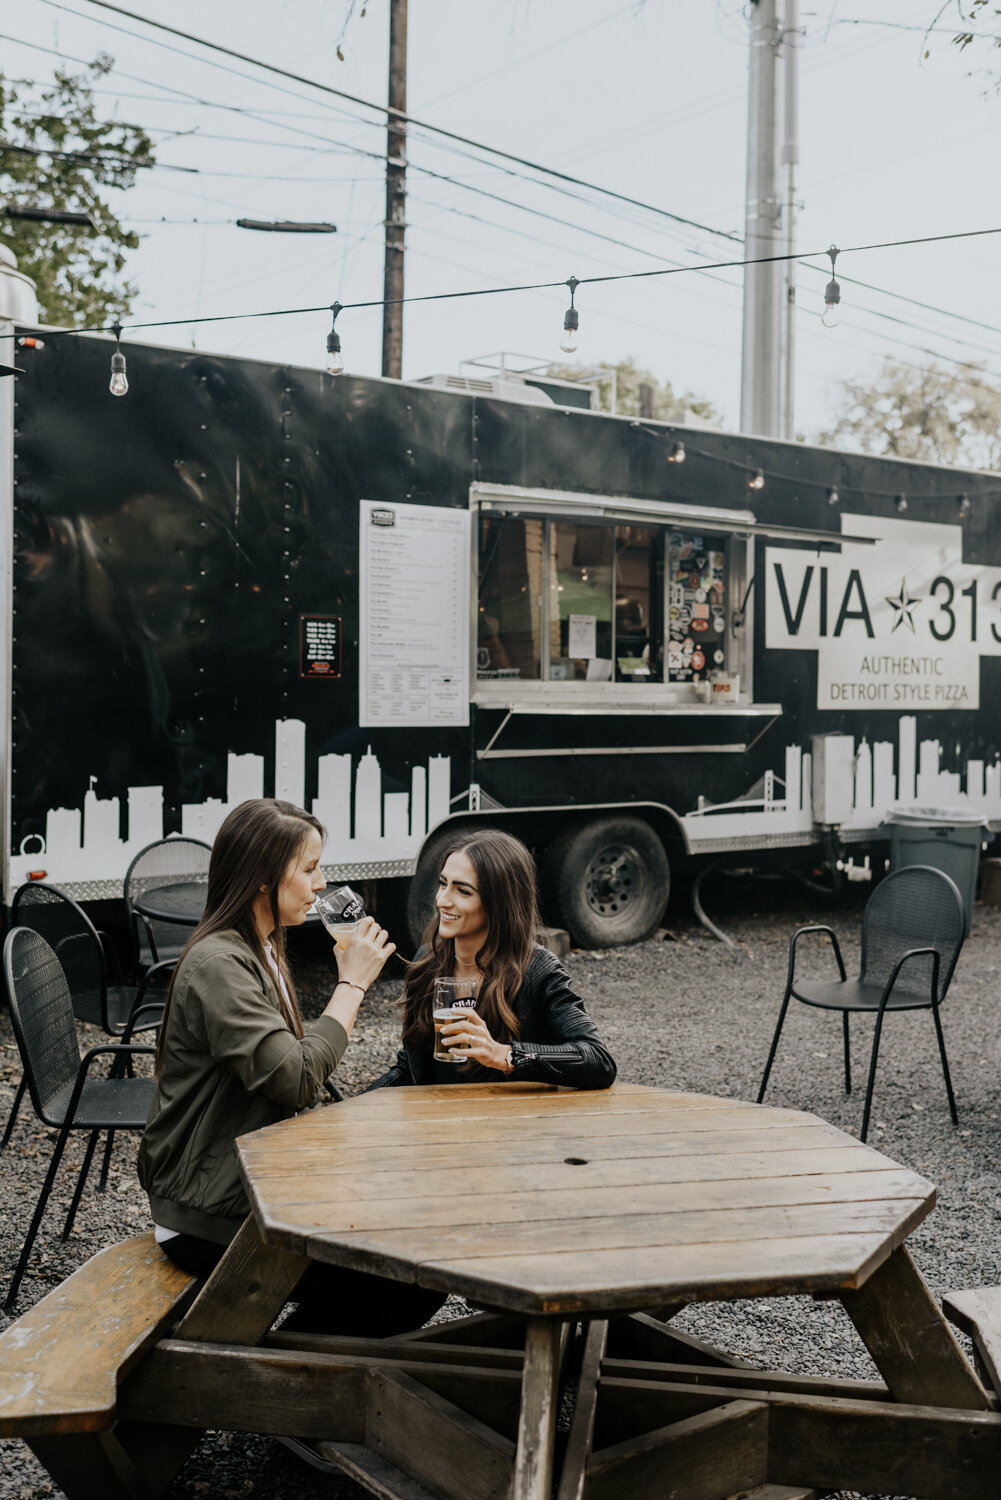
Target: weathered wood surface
[885, 1448]
[373, 1473]
[911, 1344]
[581, 1436]
[60, 1363]
[454, 1454]
[977, 1312]
[245, 1293]
[712, 1456]
[597, 1202]
[533, 1464]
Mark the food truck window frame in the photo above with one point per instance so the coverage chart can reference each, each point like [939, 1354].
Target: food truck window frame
[737, 527]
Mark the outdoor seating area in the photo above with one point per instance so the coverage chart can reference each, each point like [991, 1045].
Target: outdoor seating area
[617, 1244]
[672, 1199]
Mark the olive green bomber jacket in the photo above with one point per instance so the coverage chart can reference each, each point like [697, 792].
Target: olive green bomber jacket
[230, 1066]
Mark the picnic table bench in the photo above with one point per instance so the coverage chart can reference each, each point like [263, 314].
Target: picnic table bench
[548, 1208]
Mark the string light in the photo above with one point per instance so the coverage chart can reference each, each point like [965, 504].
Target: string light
[568, 343]
[964, 505]
[901, 504]
[831, 316]
[119, 384]
[335, 364]
[677, 454]
[833, 497]
[757, 480]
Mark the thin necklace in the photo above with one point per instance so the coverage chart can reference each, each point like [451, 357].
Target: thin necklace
[463, 965]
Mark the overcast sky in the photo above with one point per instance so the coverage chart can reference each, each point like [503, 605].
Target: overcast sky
[646, 98]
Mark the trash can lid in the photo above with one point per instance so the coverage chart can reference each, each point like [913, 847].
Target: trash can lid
[935, 817]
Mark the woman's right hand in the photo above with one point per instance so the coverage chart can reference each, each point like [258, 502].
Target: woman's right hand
[362, 961]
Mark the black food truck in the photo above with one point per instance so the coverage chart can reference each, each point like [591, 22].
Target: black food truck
[415, 608]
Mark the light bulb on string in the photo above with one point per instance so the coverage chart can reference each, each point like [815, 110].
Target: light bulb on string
[832, 495]
[756, 481]
[571, 322]
[901, 504]
[119, 384]
[335, 364]
[831, 315]
[677, 454]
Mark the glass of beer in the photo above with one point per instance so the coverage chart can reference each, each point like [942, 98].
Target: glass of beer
[451, 998]
[340, 912]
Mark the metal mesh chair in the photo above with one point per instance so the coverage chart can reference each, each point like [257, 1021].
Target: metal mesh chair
[167, 862]
[84, 957]
[912, 930]
[63, 1094]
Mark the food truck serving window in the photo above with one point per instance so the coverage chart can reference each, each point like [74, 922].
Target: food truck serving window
[571, 599]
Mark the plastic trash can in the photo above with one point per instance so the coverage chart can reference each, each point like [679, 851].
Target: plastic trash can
[949, 839]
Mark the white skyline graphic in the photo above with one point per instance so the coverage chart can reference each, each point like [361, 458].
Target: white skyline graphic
[785, 806]
[365, 825]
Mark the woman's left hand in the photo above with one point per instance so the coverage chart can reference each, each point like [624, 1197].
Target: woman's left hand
[476, 1043]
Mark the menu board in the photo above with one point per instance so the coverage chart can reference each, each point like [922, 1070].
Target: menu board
[414, 626]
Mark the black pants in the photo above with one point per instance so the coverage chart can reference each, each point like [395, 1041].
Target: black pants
[330, 1299]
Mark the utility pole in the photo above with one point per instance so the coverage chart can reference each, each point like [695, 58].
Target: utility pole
[396, 193]
[790, 161]
[760, 365]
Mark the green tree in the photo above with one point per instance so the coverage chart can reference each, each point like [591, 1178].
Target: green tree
[667, 405]
[944, 415]
[77, 269]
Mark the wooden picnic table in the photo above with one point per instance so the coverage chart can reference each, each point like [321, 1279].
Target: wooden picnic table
[548, 1207]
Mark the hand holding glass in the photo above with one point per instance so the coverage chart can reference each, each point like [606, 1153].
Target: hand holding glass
[451, 998]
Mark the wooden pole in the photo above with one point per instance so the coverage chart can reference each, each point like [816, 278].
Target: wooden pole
[396, 193]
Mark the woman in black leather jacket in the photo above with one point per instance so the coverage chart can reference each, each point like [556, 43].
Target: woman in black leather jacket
[529, 1025]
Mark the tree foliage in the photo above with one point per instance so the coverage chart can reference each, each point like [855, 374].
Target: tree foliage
[944, 415]
[667, 405]
[77, 270]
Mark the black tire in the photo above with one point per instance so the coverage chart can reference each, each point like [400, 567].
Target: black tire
[607, 881]
[424, 881]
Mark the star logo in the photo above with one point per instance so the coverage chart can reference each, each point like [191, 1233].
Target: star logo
[903, 604]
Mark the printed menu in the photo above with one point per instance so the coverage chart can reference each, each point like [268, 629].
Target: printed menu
[414, 619]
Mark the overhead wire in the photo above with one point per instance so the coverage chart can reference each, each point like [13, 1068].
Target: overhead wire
[602, 279]
[452, 137]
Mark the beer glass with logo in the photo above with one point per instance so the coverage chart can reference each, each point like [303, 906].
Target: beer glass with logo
[340, 912]
[451, 998]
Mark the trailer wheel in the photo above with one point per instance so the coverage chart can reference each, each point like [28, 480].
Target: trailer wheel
[608, 881]
[424, 881]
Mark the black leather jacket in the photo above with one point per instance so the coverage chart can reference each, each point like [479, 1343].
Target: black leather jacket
[558, 1041]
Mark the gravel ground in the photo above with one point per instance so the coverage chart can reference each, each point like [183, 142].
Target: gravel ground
[680, 1012]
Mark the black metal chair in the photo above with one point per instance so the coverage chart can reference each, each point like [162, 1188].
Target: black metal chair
[912, 930]
[85, 956]
[166, 862]
[63, 1093]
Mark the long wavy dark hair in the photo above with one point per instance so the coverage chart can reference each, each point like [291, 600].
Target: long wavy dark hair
[505, 881]
[254, 847]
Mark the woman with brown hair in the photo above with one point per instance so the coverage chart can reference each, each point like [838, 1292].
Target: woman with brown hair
[234, 1055]
[528, 1024]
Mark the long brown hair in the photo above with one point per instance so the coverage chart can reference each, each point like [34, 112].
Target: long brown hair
[253, 849]
[505, 881]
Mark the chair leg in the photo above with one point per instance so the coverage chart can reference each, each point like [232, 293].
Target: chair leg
[13, 1111]
[88, 1157]
[872, 1075]
[775, 1043]
[848, 1053]
[29, 1239]
[106, 1163]
[945, 1065]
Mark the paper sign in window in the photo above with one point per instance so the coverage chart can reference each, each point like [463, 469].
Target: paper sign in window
[583, 636]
